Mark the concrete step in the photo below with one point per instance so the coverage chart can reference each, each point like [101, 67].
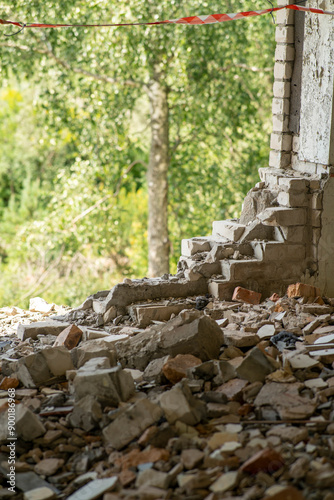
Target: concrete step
[283, 216]
[277, 251]
[230, 229]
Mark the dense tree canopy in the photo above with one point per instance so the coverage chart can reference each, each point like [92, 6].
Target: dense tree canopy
[81, 126]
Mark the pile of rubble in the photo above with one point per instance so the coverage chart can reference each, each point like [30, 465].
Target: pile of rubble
[136, 395]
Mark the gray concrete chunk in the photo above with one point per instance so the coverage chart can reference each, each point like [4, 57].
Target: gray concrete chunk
[189, 333]
[50, 327]
[131, 423]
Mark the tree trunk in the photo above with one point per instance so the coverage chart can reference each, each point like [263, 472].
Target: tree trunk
[158, 240]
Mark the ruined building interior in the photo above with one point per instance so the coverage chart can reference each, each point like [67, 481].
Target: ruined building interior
[213, 383]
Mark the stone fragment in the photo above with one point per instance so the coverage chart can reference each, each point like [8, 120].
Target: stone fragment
[226, 482]
[285, 398]
[326, 339]
[243, 295]
[109, 386]
[37, 304]
[302, 290]
[137, 375]
[48, 466]
[266, 331]
[191, 458]
[218, 439]
[38, 368]
[145, 314]
[299, 468]
[308, 329]
[255, 230]
[28, 425]
[109, 315]
[191, 332]
[316, 383]
[282, 216]
[86, 413]
[51, 435]
[94, 489]
[320, 475]
[131, 423]
[324, 330]
[233, 389]
[152, 477]
[69, 337]
[27, 481]
[126, 477]
[256, 366]
[238, 338]
[176, 368]
[50, 327]
[229, 229]
[124, 294]
[58, 360]
[180, 404]
[93, 349]
[286, 493]
[153, 372]
[324, 355]
[299, 361]
[42, 493]
[293, 434]
[266, 460]
[194, 245]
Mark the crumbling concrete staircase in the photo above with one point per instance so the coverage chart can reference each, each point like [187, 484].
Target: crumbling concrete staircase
[272, 244]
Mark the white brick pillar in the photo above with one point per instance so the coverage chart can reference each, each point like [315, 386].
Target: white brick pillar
[281, 137]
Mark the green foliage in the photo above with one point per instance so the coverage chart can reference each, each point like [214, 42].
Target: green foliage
[74, 118]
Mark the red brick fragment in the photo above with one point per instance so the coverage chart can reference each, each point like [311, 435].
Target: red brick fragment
[303, 290]
[176, 368]
[69, 337]
[9, 383]
[288, 493]
[126, 477]
[275, 297]
[136, 457]
[266, 460]
[244, 295]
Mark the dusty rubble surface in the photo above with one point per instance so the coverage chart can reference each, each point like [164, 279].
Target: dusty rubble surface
[185, 398]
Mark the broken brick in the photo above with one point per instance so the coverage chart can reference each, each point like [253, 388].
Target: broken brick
[69, 337]
[266, 460]
[303, 290]
[176, 368]
[243, 295]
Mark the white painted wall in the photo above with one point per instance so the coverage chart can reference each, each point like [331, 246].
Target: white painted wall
[317, 90]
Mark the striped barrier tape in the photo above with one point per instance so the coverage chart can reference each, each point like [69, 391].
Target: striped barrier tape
[191, 20]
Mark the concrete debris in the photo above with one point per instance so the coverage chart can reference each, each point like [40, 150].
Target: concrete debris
[191, 332]
[37, 304]
[131, 423]
[50, 327]
[69, 337]
[180, 404]
[176, 368]
[95, 489]
[232, 401]
[109, 386]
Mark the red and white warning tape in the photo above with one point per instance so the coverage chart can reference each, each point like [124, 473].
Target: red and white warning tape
[192, 20]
